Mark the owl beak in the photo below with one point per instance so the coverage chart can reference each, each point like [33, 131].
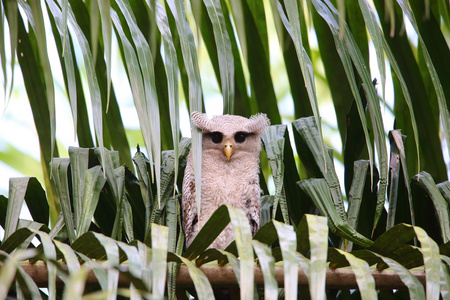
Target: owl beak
[228, 150]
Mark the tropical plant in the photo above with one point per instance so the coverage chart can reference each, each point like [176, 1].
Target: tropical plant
[117, 218]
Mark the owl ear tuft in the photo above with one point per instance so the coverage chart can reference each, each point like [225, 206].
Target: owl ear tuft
[259, 123]
[200, 120]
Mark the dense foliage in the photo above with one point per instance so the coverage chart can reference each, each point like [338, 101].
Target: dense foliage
[119, 216]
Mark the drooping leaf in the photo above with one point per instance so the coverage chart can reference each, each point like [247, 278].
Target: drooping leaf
[94, 88]
[267, 264]
[36, 92]
[104, 6]
[242, 233]
[11, 269]
[201, 283]
[406, 66]
[426, 182]
[172, 78]
[382, 48]
[11, 11]
[288, 244]
[319, 192]
[318, 240]
[294, 29]
[160, 235]
[195, 92]
[415, 287]
[76, 282]
[37, 21]
[50, 254]
[445, 281]
[225, 56]
[149, 115]
[352, 57]
[431, 259]
[436, 81]
[364, 278]
[70, 257]
[307, 128]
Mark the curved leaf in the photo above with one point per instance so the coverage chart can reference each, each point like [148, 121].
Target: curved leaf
[195, 93]
[66, 56]
[364, 278]
[172, 78]
[74, 288]
[160, 235]
[445, 281]
[39, 27]
[267, 264]
[294, 29]
[94, 88]
[431, 69]
[309, 132]
[415, 287]
[318, 240]
[11, 11]
[432, 262]
[393, 239]
[50, 254]
[351, 56]
[104, 6]
[288, 244]
[319, 192]
[441, 206]
[226, 60]
[243, 236]
[71, 259]
[201, 283]
[149, 116]
[11, 268]
[212, 228]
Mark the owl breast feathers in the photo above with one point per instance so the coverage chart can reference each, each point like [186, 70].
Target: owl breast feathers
[230, 172]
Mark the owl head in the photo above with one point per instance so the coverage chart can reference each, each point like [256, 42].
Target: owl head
[231, 134]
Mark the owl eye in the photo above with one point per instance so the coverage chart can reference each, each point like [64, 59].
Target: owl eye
[240, 137]
[216, 137]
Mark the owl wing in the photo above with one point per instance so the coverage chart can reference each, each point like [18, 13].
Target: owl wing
[188, 204]
[253, 205]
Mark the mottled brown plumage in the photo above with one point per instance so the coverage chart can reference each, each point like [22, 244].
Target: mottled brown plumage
[230, 172]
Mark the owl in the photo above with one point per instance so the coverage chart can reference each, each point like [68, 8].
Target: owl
[230, 172]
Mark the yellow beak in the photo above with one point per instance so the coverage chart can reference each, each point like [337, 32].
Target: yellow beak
[228, 149]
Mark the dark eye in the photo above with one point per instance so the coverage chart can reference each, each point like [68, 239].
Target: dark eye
[216, 137]
[240, 137]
